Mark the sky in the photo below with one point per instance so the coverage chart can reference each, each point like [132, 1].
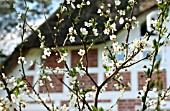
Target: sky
[11, 40]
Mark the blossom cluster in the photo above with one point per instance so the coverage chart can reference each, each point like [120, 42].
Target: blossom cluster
[72, 33]
[18, 90]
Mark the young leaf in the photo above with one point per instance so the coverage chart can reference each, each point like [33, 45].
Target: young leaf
[94, 108]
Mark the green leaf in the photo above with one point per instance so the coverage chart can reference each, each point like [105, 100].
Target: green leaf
[157, 64]
[16, 93]
[161, 6]
[154, 43]
[75, 21]
[72, 73]
[93, 20]
[106, 67]
[152, 84]
[94, 108]
[79, 64]
[147, 72]
[88, 89]
[159, 24]
[82, 93]
[166, 14]
[74, 70]
[63, 50]
[101, 109]
[160, 85]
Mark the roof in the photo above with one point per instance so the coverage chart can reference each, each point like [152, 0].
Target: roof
[87, 13]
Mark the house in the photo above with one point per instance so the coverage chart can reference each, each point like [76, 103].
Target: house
[135, 75]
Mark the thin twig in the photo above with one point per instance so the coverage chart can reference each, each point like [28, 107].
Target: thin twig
[72, 90]
[114, 73]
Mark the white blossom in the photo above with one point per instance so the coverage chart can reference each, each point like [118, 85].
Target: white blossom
[121, 20]
[19, 16]
[72, 6]
[120, 78]
[88, 3]
[83, 31]
[108, 11]
[109, 73]
[159, 1]
[154, 89]
[129, 84]
[105, 57]
[119, 63]
[51, 85]
[42, 45]
[31, 62]
[72, 39]
[118, 86]
[131, 1]
[107, 31]
[19, 26]
[117, 2]
[44, 57]
[134, 18]
[144, 88]
[56, 70]
[1, 108]
[63, 8]
[64, 108]
[122, 12]
[81, 52]
[63, 57]
[138, 43]
[72, 79]
[102, 7]
[49, 78]
[104, 88]
[21, 60]
[88, 24]
[95, 32]
[78, 6]
[70, 1]
[163, 103]
[70, 29]
[81, 72]
[113, 27]
[41, 83]
[47, 52]
[13, 97]
[116, 47]
[109, 5]
[154, 23]
[11, 106]
[99, 11]
[112, 37]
